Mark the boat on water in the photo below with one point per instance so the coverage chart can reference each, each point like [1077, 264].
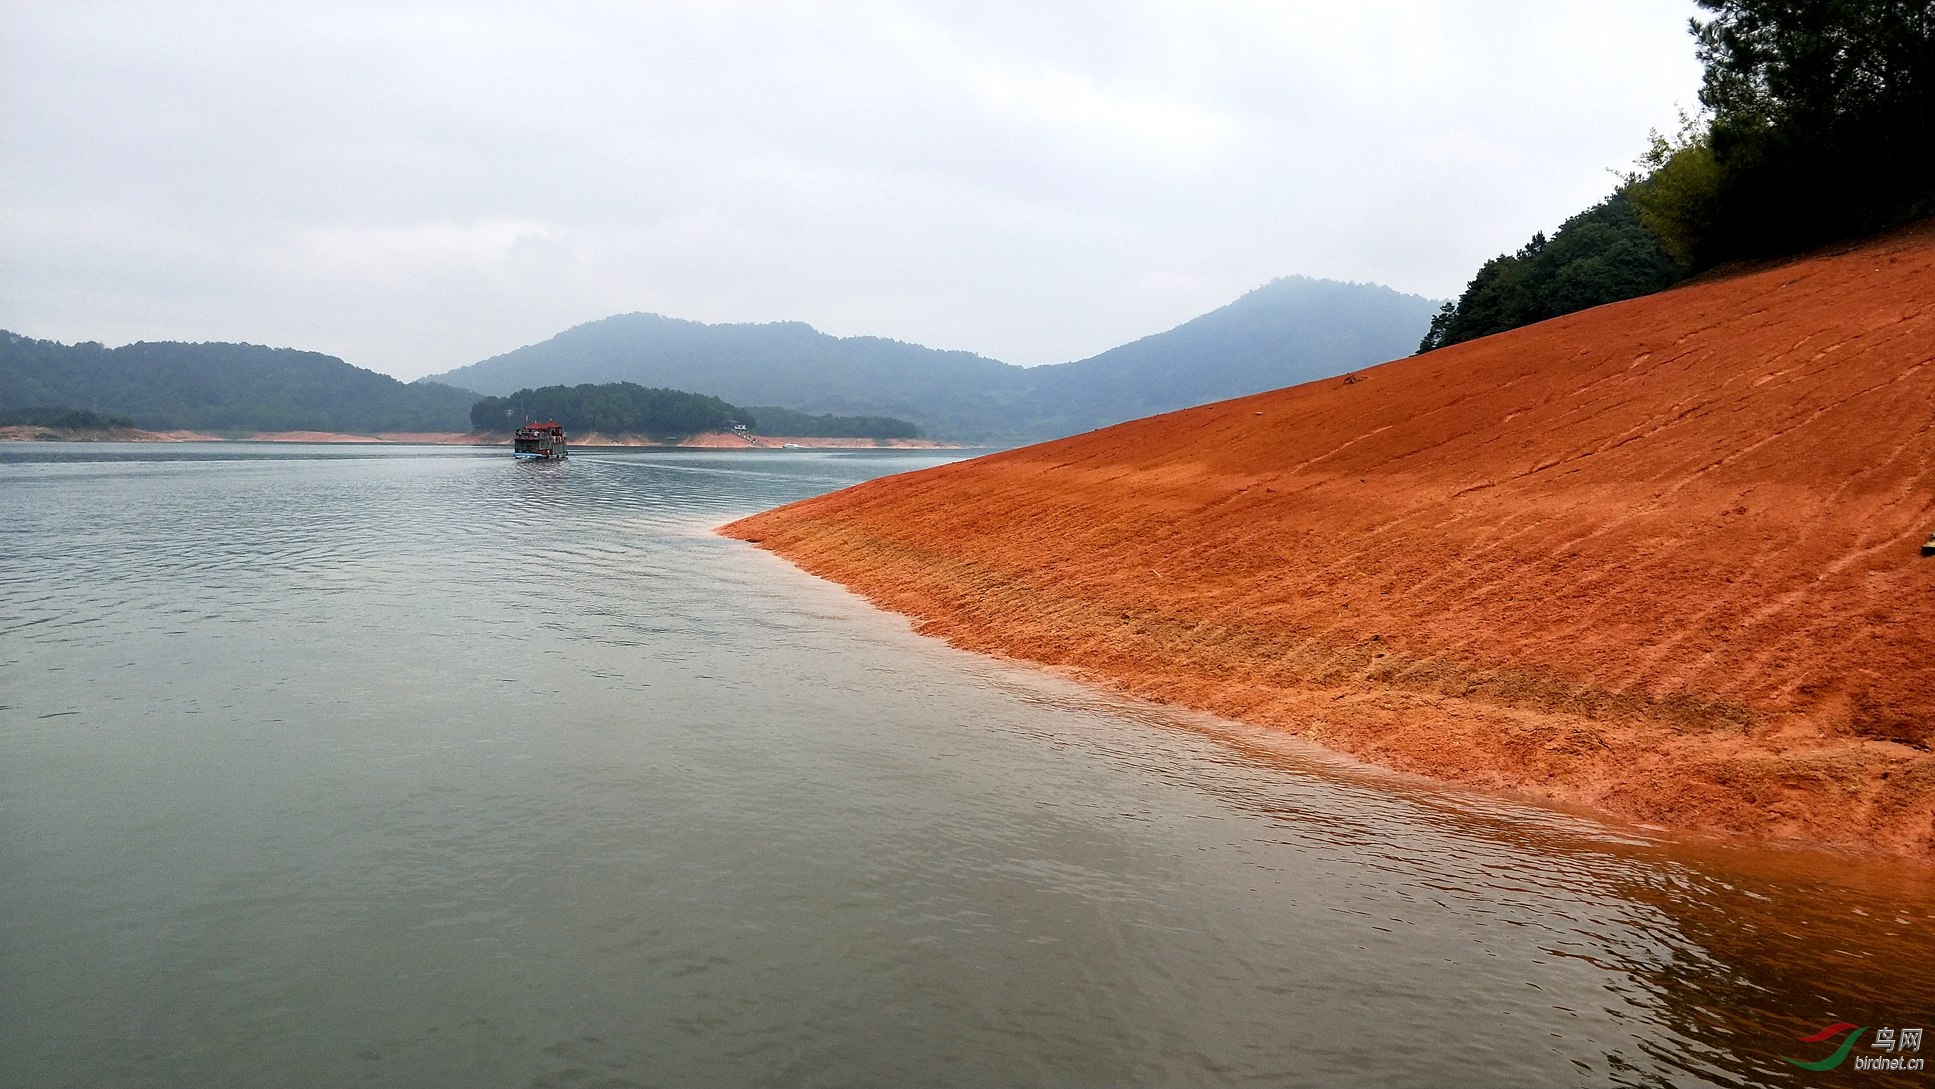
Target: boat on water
[539, 442]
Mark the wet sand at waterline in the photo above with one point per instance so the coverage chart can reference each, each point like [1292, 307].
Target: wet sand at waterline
[1660, 558]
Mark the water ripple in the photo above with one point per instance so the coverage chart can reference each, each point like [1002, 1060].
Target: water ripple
[423, 767]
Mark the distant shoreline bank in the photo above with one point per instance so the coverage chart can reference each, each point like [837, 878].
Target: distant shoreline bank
[712, 440]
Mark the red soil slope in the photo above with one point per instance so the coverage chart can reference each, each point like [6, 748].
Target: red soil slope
[1659, 557]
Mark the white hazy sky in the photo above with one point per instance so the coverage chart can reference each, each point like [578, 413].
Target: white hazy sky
[416, 186]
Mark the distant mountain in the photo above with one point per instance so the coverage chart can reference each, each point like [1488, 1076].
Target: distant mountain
[222, 387]
[1286, 332]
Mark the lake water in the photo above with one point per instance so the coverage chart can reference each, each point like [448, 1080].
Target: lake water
[417, 767]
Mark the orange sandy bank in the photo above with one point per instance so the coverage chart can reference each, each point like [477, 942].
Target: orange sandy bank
[1659, 558]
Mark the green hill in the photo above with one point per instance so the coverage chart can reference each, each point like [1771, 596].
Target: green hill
[222, 387]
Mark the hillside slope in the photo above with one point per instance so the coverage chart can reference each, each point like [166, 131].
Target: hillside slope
[1289, 330]
[1660, 557]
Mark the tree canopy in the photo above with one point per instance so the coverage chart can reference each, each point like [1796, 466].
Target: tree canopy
[614, 408]
[1821, 126]
[772, 420]
[1601, 255]
[58, 416]
[1818, 125]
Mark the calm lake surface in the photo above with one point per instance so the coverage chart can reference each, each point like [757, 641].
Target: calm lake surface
[416, 767]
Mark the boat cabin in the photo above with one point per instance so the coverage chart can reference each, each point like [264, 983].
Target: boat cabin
[539, 441]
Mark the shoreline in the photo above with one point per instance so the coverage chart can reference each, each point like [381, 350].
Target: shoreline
[712, 440]
[1658, 560]
[1709, 770]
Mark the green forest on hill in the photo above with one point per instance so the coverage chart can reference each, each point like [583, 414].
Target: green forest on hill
[627, 408]
[221, 387]
[57, 416]
[1817, 124]
[613, 408]
[773, 420]
[1601, 255]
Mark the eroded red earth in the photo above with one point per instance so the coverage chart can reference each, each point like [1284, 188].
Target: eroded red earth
[1661, 558]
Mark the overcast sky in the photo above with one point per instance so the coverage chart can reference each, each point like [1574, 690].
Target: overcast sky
[414, 187]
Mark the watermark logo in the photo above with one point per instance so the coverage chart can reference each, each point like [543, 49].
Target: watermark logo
[1840, 1053]
[1886, 1040]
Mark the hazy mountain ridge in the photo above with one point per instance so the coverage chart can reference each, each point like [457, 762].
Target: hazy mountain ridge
[1288, 331]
